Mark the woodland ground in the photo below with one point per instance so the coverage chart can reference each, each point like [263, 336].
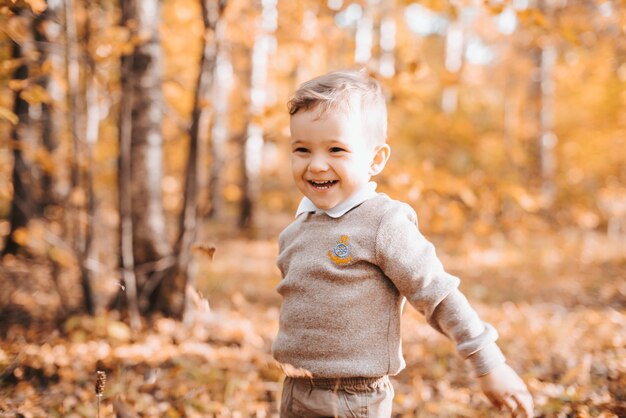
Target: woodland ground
[558, 301]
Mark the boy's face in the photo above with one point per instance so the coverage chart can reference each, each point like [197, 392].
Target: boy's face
[331, 156]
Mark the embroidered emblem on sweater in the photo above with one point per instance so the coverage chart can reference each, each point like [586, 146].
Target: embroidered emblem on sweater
[340, 253]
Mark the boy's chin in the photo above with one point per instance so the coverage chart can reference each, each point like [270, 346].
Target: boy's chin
[324, 205]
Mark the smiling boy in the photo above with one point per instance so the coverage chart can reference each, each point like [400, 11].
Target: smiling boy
[350, 260]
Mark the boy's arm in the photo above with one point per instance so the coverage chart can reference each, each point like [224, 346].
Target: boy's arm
[475, 339]
[499, 382]
[411, 263]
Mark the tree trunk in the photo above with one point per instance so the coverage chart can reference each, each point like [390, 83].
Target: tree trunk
[173, 291]
[364, 37]
[47, 29]
[48, 32]
[23, 202]
[77, 213]
[453, 64]
[92, 124]
[386, 66]
[127, 260]
[547, 138]
[141, 155]
[252, 148]
[252, 143]
[219, 123]
[541, 101]
[150, 243]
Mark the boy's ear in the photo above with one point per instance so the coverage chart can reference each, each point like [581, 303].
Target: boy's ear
[380, 159]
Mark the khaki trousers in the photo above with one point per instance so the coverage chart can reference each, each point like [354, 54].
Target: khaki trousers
[342, 398]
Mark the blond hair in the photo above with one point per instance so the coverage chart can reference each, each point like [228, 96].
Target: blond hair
[345, 91]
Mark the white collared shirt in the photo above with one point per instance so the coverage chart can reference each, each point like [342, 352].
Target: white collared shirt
[365, 193]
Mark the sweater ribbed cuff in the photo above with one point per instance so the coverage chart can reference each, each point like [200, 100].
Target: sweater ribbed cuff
[486, 359]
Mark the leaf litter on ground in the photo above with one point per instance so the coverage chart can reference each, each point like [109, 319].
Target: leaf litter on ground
[562, 325]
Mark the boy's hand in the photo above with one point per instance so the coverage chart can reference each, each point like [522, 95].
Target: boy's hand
[505, 388]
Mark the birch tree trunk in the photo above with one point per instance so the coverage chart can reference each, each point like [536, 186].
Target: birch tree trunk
[547, 138]
[145, 249]
[223, 74]
[92, 124]
[453, 64]
[77, 214]
[252, 144]
[364, 36]
[48, 31]
[387, 66]
[150, 241]
[541, 97]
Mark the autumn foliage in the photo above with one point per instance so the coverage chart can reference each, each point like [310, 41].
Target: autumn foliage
[507, 122]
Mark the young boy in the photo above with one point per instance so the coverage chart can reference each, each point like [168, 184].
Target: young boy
[351, 258]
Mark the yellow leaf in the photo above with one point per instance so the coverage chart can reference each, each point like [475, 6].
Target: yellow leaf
[44, 159]
[20, 236]
[468, 197]
[18, 28]
[46, 67]
[199, 308]
[172, 413]
[587, 219]
[526, 201]
[72, 323]
[232, 193]
[540, 18]
[119, 331]
[17, 85]
[37, 6]
[78, 197]
[78, 336]
[62, 257]
[10, 65]
[495, 8]
[293, 370]
[35, 94]
[8, 115]
[580, 373]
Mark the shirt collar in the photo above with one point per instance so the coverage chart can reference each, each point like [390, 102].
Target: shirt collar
[366, 192]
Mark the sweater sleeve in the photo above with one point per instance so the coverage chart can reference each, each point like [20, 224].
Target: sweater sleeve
[410, 262]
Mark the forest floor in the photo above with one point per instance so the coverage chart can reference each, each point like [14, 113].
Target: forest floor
[558, 302]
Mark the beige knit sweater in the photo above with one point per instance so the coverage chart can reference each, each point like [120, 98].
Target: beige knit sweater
[344, 284]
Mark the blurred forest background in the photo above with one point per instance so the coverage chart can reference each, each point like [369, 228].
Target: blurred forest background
[144, 179]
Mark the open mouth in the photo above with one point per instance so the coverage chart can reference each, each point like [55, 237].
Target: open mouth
[323, 185]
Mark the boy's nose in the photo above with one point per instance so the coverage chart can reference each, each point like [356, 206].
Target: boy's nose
[318, 164]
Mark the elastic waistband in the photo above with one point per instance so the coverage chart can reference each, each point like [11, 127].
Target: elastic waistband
[335, 383]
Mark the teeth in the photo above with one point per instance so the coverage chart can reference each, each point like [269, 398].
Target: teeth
[322, 184]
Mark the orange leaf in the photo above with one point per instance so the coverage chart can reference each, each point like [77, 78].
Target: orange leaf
[35, 94]
[204, 249]
[37, 6]
[8, 115]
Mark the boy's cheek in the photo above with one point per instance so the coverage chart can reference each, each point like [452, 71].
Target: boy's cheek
[295, 166]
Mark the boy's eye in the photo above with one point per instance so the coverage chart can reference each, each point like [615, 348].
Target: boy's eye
[300, 149]
[337, 149]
